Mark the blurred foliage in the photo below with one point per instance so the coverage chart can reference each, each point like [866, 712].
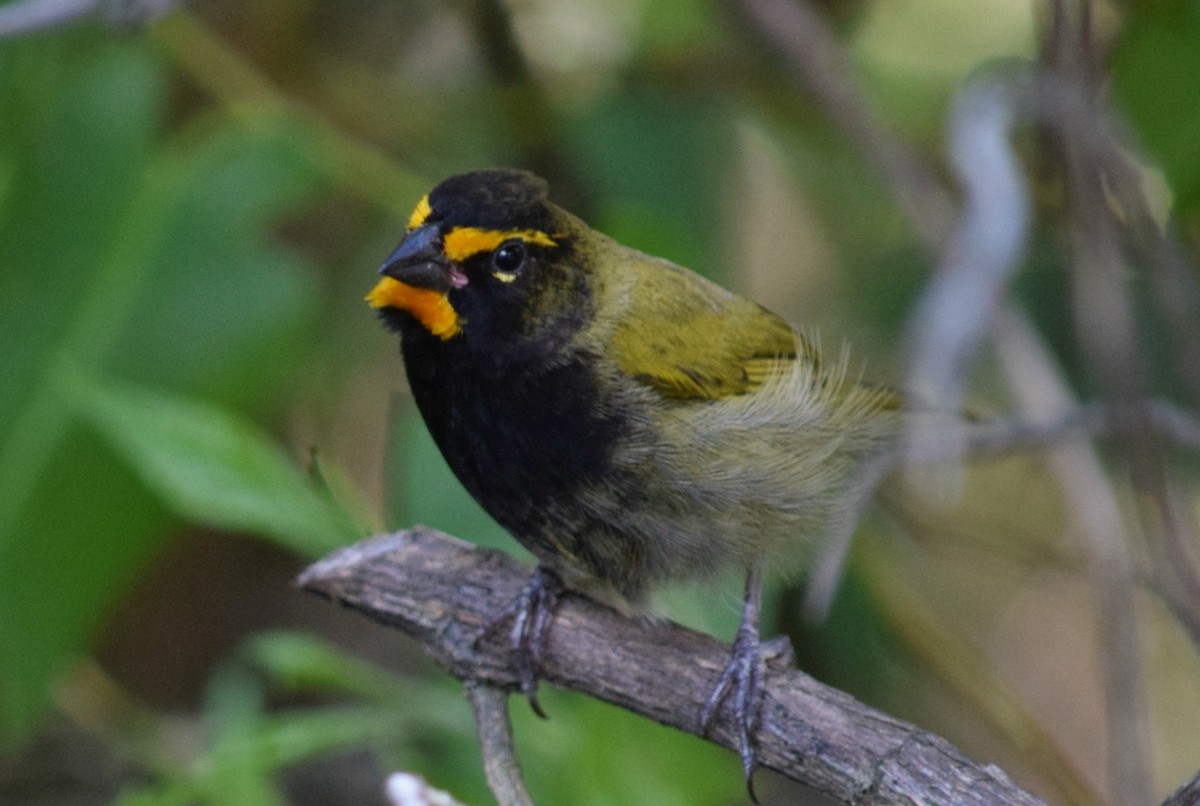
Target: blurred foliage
[138, 253]
[190, 214]
[1155, 71]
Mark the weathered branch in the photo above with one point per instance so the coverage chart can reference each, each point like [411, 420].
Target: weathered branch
[1186, 795]
[444, 592]
[490, 706]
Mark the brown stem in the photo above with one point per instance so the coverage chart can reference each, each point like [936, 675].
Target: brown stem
[444, 592]
[490, 706]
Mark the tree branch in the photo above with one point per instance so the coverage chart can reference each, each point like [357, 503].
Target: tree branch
[490, 706]
[444, 592]
[1186, 795]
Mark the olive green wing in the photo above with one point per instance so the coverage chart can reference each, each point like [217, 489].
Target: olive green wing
[686, 337]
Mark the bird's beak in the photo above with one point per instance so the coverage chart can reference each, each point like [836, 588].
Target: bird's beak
[417, 278]
[418, 261]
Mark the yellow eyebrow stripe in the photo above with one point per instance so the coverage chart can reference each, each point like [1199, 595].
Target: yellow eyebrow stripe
[419, 213]
[462, 243]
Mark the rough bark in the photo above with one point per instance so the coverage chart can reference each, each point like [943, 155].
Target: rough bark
[445, 593]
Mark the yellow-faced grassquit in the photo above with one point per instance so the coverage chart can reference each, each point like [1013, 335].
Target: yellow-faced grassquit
[628, 421]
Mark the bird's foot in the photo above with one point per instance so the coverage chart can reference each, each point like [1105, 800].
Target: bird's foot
[531, 612]
[741, 685]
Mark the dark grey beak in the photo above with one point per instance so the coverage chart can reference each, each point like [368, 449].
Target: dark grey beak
[418, 261]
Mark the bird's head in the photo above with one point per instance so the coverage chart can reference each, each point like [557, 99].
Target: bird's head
[486, 256]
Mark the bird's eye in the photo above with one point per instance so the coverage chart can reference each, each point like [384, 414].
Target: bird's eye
[509, 258]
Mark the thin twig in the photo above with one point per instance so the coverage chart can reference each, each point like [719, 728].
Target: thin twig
[1106, 332]
[1173, 276]
[490, 706]
[1042, 394]
[1186, 795]
[31, 16]
[953, 315]
[35, 16]
[445, 593]
[996, 438]
[1173, 280]
[1166, 420]
[796, 32]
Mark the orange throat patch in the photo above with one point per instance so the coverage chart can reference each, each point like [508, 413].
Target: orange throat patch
[431, 308]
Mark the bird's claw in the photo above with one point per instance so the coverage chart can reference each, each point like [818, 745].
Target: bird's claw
[531, 612]
[741, 680]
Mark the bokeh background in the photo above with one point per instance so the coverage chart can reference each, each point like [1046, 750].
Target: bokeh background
[195, 402]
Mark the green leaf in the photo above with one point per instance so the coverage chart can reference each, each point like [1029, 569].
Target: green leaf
[248, 747]
[1156, 81]
[136, 256]
[304, 664]
[225, 308]
[87, 529]
[76, 128]
[211, 466]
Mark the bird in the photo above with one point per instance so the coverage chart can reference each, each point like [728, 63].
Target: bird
[627, 420]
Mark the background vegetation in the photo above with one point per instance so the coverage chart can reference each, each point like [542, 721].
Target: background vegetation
[195, 402]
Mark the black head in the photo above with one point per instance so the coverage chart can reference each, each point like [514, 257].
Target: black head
[499, 199]
[486, 257]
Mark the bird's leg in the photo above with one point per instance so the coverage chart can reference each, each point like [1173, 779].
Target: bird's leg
[532, 611]
[742, 679]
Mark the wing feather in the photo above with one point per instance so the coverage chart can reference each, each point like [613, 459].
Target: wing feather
[688, 338]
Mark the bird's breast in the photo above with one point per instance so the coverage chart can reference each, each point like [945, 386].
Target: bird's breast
[523, 438]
